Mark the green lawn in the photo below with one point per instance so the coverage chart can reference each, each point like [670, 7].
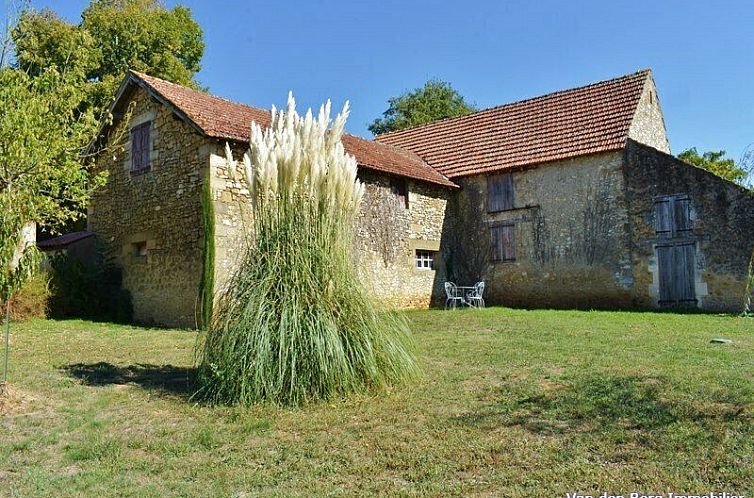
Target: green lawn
[512, 403]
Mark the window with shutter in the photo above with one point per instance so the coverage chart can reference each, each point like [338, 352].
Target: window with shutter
[140, 147]
[500, 192]
[399, 188]
[502, 243]
[673, 217]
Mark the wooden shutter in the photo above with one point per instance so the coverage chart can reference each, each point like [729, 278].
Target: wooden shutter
[682, 217]
[673, 217]
[499, 192]
[664, 218]
[509, 245]
[676, 264]
[496, 244]
[665, 268]
[399, 187]
[507, 191]
[502, 243]
[684, 260]
[140, 147]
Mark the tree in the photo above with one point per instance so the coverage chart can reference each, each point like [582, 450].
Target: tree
[42, 180]
[715, 162]
[113, 36]
[12, 10]
[435, 100]
[295, 323]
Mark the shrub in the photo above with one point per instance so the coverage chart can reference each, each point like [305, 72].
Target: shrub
[295, 324]
[88, 289]
[32, 300]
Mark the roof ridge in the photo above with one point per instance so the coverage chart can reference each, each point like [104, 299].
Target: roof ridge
[424, 169]
[207, 94]
[260, 109]
[642, 72]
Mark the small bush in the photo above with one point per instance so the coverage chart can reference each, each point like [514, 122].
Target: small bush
[32, 300]
[88, 289]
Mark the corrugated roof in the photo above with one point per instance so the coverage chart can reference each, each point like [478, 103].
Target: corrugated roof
[586, 120]
[221, 118]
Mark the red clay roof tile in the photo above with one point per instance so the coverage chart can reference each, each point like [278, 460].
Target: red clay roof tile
[221, 118]
[586, 120]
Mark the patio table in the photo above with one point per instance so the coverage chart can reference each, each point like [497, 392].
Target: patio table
[465, 292]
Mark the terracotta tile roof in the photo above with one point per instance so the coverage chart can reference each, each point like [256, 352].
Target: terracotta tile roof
[223, 119]
[570, 123]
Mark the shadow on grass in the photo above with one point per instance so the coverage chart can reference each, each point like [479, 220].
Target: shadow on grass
[167, 379]
[595, 403]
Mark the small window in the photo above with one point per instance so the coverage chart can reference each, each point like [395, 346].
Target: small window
[140, 147]
[399, 188]
[425, 260]
[503, 243]
[499, 192]
[139, 249]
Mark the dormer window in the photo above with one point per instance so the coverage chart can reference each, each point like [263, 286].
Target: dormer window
[140, 147]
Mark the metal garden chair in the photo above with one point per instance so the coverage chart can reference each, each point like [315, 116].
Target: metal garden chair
[452, 298]
[476, 298]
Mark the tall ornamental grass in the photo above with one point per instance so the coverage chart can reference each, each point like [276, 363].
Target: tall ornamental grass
[295, 324]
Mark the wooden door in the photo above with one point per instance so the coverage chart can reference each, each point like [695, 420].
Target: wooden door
[675, 250]
[676, 263]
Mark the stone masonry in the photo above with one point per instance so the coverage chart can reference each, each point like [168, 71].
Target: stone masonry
[586, 230]
[151, 221]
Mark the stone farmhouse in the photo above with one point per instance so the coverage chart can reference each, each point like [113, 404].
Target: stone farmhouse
[566, 200]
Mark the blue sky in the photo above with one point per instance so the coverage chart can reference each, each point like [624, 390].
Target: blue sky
[493, 52]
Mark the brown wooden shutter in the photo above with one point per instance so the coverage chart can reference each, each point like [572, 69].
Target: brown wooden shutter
[509, 245]
[135, 149]
[140, 147]
[507, 189]
[495, 244]
[145, 149]
[499, 192]
[399, 188]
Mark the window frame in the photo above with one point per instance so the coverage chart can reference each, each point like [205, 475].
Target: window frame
[422, 257]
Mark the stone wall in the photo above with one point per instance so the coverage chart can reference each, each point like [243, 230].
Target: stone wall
[648, 125]
[232, 214]
[723, 227]
[570, 235]
[388, 233]
[391, 231]
[150, 222]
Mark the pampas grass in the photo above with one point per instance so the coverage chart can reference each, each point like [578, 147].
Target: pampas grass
[295, 324]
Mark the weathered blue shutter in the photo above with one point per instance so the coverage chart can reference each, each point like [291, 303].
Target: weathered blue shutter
[663, 218]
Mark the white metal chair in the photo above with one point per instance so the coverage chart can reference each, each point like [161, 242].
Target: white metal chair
[476, 298]
[452, 298]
